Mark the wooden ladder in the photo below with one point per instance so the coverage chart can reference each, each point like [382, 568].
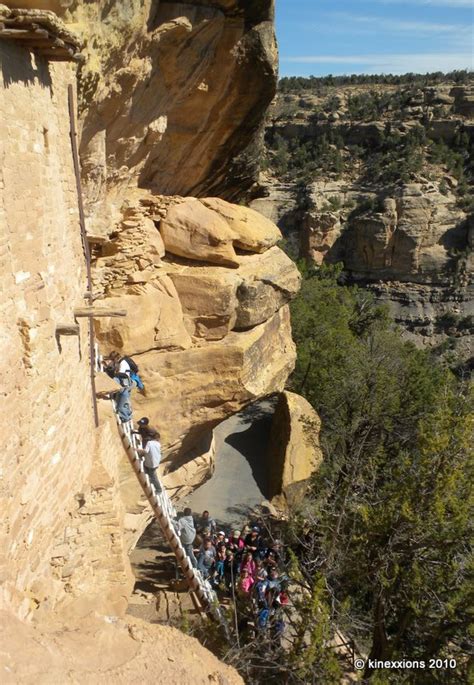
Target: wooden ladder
[165, 514]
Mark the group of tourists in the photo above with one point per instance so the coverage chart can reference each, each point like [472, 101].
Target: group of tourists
[241, 564]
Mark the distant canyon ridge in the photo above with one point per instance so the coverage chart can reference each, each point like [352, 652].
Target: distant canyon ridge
[378, 176]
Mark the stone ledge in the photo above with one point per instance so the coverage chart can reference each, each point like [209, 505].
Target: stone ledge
[41, 31]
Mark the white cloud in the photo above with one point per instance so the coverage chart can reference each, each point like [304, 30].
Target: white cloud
[389, 64]
[399, 25]
[464, 4]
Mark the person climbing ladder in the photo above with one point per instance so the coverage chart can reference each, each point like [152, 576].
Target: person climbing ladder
[125, 372]
[152, 456]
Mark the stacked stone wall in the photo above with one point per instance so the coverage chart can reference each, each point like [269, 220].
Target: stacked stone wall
[51, 458]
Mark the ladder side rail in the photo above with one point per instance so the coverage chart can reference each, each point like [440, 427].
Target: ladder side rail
[164, 512]
[164, 519]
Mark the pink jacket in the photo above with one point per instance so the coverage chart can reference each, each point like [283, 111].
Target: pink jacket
[251, 567]
[239, 543]
[245, 585]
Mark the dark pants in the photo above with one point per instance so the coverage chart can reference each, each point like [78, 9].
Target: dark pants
[153, 476]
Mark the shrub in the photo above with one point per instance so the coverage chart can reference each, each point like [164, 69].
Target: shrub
[387, 524]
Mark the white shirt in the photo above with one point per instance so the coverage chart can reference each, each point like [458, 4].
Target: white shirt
[124, 367]
[153, 454]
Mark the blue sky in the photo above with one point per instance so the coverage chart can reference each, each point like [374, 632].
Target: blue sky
[374, 36]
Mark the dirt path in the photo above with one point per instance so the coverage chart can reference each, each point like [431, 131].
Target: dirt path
[239, 481]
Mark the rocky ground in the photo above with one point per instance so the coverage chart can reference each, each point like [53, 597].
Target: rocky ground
[379, 177]
[108, 650]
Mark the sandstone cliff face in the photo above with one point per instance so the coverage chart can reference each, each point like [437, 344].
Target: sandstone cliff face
[205, 287]
[172, 95]
[172, 98]
[416, 235]
[294, 452]
[208, 322]
[414, 252]
[409, 238]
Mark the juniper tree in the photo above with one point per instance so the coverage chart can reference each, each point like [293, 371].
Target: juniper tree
[389, 520]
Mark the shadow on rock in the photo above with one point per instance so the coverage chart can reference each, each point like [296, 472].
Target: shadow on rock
[252, 444]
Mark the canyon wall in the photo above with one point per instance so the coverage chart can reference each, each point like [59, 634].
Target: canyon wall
[205, 286]
[381, 183]
[172, 96]
[172, 100]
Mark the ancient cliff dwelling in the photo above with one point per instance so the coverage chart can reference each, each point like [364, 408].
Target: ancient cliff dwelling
[167, 213]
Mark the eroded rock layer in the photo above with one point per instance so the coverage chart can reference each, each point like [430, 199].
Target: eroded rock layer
[209, 338]
[171, 98]
[294, 452]
[173, 94]
[377, 177]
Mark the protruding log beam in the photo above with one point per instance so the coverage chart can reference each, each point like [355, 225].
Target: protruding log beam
[96, 312]
[22, 34]
[67, 329]
[58, 54]
[96, 239]
[63, 57]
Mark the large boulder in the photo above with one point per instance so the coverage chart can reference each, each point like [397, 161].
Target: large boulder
[154, 320]
[294, 452]
[189, 392]
[192, 230]
[254, 232]
[267, 282]
[208, 295]
[216, 300]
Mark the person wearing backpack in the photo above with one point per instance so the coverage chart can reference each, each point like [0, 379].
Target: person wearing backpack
[132, 371]
[187, 532]
[120, 372]
[259, 590]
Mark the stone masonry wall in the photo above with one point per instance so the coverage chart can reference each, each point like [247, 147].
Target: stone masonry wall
[51, 461]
